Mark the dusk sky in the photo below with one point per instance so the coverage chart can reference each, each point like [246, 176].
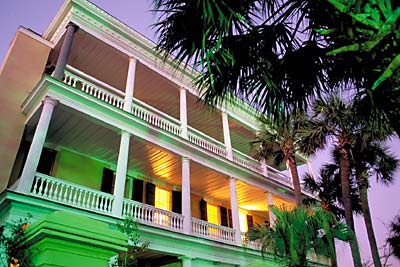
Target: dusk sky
[37, 15]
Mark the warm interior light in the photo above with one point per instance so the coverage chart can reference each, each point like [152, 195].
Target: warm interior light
[212, 214]
[243, 221]
[163, 199]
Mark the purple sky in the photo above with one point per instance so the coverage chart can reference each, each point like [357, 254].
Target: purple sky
[37, 15]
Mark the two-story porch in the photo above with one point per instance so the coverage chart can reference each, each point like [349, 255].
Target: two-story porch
[168, 178]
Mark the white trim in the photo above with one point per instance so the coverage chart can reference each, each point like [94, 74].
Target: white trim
[33, 35]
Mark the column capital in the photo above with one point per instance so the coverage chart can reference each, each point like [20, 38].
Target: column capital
[124, 132]
[185, 258]
[73, 25]
[133, 59]
[185, 158]
[49, 100]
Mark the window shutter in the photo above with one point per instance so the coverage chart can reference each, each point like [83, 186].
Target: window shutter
[150, 194]
[177, 201]
[249, 221]
[230, 218]
[137, 193]
[107, 181]
[224, 216]
[46, 161]
[203, 210]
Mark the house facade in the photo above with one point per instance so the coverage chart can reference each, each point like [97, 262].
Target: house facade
[96, 123]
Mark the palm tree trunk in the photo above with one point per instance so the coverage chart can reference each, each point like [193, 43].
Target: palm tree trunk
[363, 185]
[295, 180]
[348, 211]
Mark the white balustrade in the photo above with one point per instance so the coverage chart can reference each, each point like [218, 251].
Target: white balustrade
[155, 117]
[108, 95]
[212, 231]
[200, 139]
[150, 215]
[246, 161]
[57, 190]
[278, 176]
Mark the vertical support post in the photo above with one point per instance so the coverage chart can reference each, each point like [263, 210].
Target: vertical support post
[65, 51]
[120, 177]
[227, 136]
[186, 195]
[35, 150]
[270, 201]
[183, 112]
[235, 211]
[130, 84]
[186, 261]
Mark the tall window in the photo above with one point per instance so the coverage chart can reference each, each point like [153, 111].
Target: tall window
[212, 214]
[163, 199]
[243, 221]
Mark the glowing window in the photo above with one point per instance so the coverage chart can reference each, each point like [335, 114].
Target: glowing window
[212, 214]
[163, 199]
[243, 221]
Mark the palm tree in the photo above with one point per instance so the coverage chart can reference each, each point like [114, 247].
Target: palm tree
[278, 141]
[394, 238]
[361, 40]
[333, 119]
[299, 231]
[368, 160]
[250, 49]
[352, 132]
[328, 189]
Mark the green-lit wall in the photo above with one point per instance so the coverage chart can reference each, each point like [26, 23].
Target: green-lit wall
[78, 169]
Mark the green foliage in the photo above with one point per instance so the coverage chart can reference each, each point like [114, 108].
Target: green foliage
[136, 246]
[298, 232]
[14, 251]
[277, 143]
[280, 55]
[394, 238]
[327, 186]
[244, 48]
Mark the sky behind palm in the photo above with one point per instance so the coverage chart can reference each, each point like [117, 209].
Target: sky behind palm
[37, 15]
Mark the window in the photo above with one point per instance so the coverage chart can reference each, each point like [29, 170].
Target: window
[243, 221]
[163, 199]
[212, 214]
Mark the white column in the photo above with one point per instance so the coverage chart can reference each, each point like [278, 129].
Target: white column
[270, 202]
[130, 84]
[235, 211]
[227, 136]
[183, 112]
[186, 261]
[120, 177]
[186, 195]
[35, 150]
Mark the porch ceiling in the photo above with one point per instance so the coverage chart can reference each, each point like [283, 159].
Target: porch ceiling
[107, 64]
[76, 132]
